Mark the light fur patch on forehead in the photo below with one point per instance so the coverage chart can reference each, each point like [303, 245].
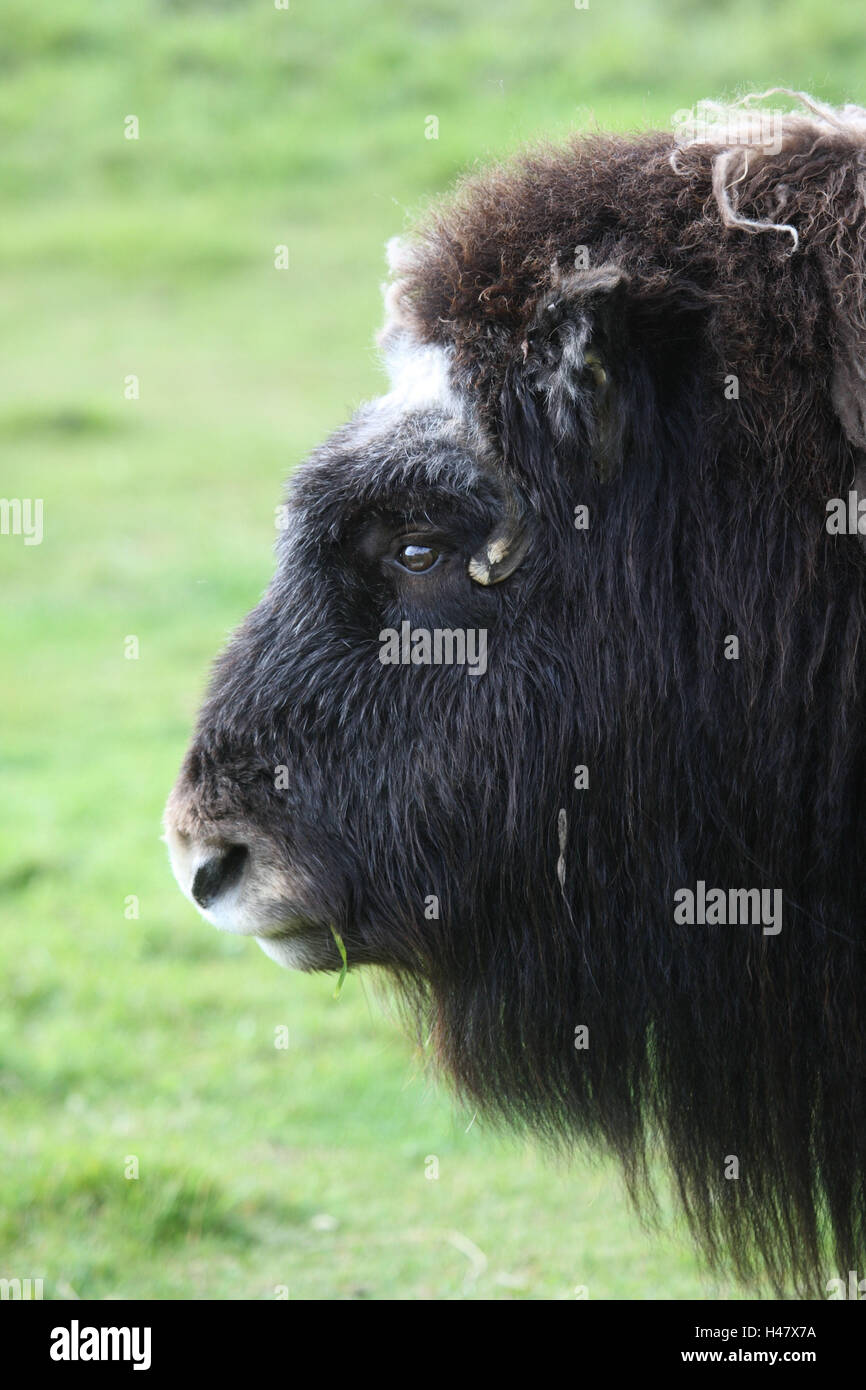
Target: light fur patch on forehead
[422, 388]
[419, 374]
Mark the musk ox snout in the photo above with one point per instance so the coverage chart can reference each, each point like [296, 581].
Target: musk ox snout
[241, 877]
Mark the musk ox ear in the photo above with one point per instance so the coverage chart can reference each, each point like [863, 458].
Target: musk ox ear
[573, 357]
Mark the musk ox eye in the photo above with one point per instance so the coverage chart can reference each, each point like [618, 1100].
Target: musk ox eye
[417, 558]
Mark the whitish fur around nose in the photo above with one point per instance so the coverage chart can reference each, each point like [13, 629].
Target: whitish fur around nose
[217, 874]
[213, 873]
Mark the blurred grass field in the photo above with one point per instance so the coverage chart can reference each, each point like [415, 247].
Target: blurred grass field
[260, 1168]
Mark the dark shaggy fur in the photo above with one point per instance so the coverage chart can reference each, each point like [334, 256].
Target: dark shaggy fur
[707, 518]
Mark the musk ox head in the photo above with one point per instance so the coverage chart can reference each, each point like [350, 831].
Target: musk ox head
[554, 708]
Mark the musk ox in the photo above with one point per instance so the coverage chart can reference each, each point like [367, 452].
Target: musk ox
[613, 870]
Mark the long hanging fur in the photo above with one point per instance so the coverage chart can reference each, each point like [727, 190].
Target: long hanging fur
[721, 1040]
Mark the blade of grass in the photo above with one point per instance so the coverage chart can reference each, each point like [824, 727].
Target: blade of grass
[345, 968]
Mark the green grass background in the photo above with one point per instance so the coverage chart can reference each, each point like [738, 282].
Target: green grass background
[259, 1168]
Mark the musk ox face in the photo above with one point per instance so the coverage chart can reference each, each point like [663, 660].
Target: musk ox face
[341, 766]
[555, 707]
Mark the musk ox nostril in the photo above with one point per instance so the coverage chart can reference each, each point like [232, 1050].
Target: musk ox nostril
[218, 873]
